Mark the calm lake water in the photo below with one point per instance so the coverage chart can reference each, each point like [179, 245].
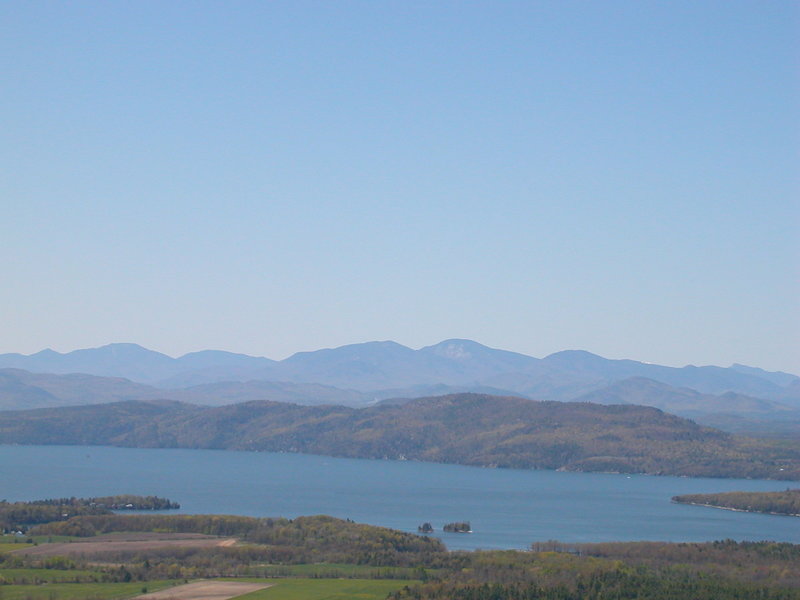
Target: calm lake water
[507, 508]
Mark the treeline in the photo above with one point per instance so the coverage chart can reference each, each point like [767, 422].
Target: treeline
[781, 503]
[724, 570]
[19, 516]
[552, 570]
[615, 585]
[118, 502]
[472, 429]
[776, 562]
[277, 541]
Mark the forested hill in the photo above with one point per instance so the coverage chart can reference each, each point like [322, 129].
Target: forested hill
[472, 429]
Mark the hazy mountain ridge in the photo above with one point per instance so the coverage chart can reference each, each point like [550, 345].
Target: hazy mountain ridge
[21, 390]
[359, 374]
[130, 361]
[707, 379]
[453, 361]
[680, 401]
[777, 377]
[472, 429]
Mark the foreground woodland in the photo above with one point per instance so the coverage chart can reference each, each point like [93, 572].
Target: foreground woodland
[104, 556]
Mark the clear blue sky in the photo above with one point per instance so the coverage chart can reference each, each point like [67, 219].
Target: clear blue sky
[269, 177]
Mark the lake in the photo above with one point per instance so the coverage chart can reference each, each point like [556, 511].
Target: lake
[507, 508]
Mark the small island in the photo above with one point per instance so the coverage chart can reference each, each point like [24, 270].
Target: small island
[425, 528]
[459, 527]
[774, 503]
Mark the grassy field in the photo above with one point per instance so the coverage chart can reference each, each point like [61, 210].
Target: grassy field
[327, 589]
[39, 539]
[50, 539]
[100, 545]
[36, 576]
[78, 591]
[282, 589]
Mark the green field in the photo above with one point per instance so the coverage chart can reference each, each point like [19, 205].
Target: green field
[327, 589]
[282, 589]
[52, 539]
[18, 541]
[37, 576]
[78, 591]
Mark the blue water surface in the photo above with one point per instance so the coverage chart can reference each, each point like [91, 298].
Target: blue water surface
[508, 508]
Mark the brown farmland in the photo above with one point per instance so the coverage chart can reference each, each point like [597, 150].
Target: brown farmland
[126, 542]
[205, 590]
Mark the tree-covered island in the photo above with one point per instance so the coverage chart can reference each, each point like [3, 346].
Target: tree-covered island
[458, 527]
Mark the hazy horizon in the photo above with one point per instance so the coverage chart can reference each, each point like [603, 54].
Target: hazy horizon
[268, 178]
[279, 358]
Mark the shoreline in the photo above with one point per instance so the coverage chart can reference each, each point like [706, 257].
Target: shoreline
[345, 456]
[744, 510]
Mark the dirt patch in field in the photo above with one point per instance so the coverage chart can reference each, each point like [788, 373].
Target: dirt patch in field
[205, 590]
[226, 543]
[133, 542]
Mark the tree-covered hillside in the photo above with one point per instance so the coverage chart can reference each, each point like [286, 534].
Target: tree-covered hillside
[472, 429]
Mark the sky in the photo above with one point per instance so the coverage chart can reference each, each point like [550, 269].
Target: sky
[273, 177]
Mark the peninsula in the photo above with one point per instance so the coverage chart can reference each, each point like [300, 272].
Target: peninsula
[774, 503]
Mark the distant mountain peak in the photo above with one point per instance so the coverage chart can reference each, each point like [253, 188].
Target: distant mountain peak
[455, 349]
[575, 357]
[391, 344]
[583, 353]
[388, 344]
[125, 348]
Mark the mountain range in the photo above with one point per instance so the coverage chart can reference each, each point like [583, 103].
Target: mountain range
[363, 374]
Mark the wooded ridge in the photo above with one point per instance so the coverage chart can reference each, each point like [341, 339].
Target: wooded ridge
[470, 429]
